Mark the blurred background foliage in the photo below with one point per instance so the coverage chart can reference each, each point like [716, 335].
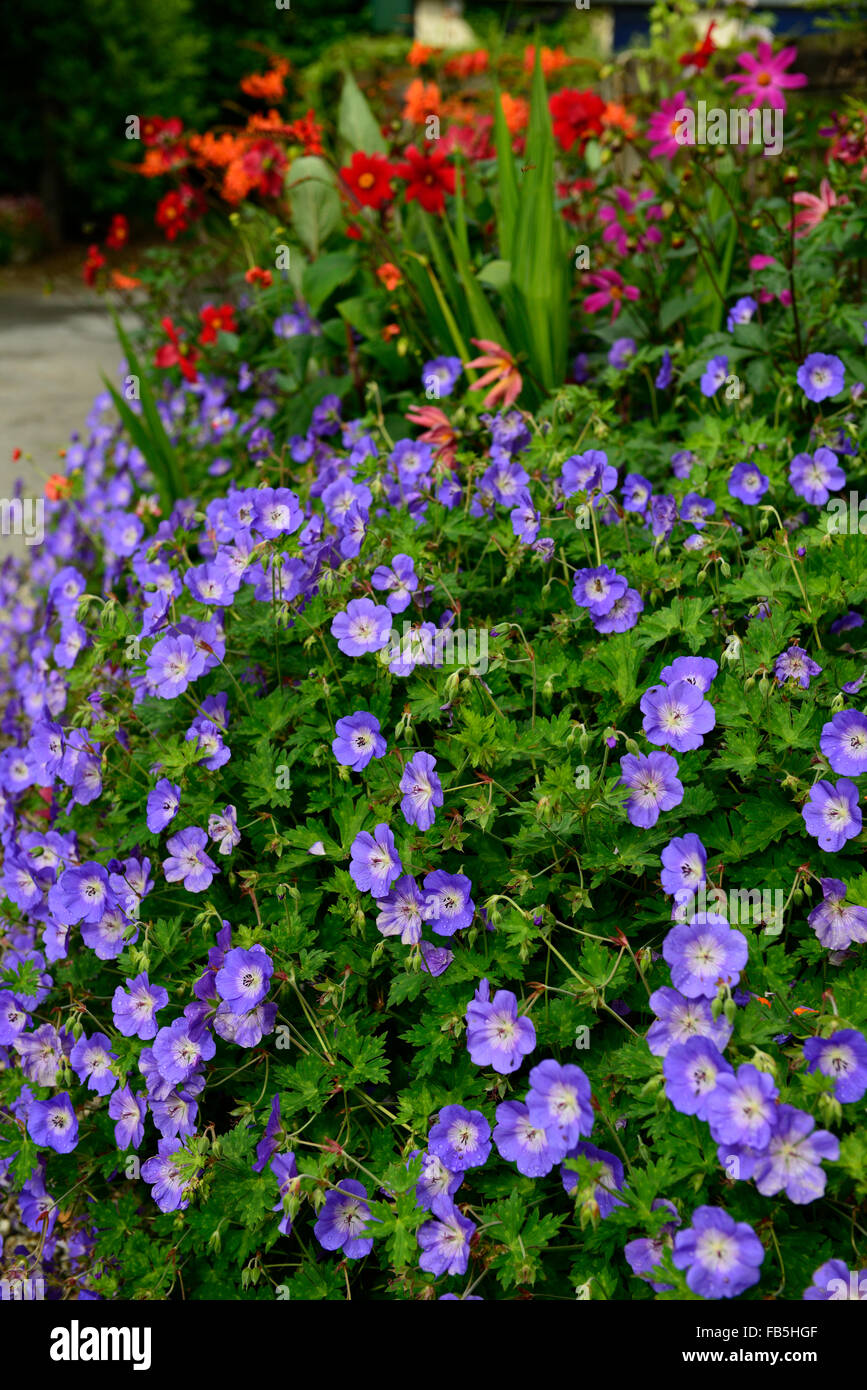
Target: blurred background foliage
[69, 77]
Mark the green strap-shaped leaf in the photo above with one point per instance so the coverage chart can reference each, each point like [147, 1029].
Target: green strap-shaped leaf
[147, 429]
[507, 182]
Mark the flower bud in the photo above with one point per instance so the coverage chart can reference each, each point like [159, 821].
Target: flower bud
[451, 685]
[832, 1110]
[764, 1061]
[589, 1213]
[652, 1085]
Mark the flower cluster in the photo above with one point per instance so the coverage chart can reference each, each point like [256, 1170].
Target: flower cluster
[439, 661]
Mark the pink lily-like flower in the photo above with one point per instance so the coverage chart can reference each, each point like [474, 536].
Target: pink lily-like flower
[438, 431]
[503, 374]
[610, 290]
[766, 76]
[815, 208]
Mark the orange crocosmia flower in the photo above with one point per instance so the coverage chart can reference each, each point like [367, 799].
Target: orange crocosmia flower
[552, 59]
[217, 150]
[124, 282]
[266, 86]
[617, 116]
[308, 133]
[160, 159]
[802, 1009]
[422, 100]
[57, 487]
[271, 121]
[237, 181]
[516, 112]
[419, 53]
[389, 275]
[154, 164]
[461, 112]
[390, 331]
[760, 998]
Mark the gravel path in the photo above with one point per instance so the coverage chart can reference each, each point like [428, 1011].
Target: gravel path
[52, 353]
[56, 340]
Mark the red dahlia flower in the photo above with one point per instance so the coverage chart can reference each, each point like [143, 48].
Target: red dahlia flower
[429, 178]
[175, 211]
[699, 57]
[118, 232]
[95, 261]
[216, 321]
[265, 165]
[156, 130]
[368, 177]
[174, 353]
[576, 116]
